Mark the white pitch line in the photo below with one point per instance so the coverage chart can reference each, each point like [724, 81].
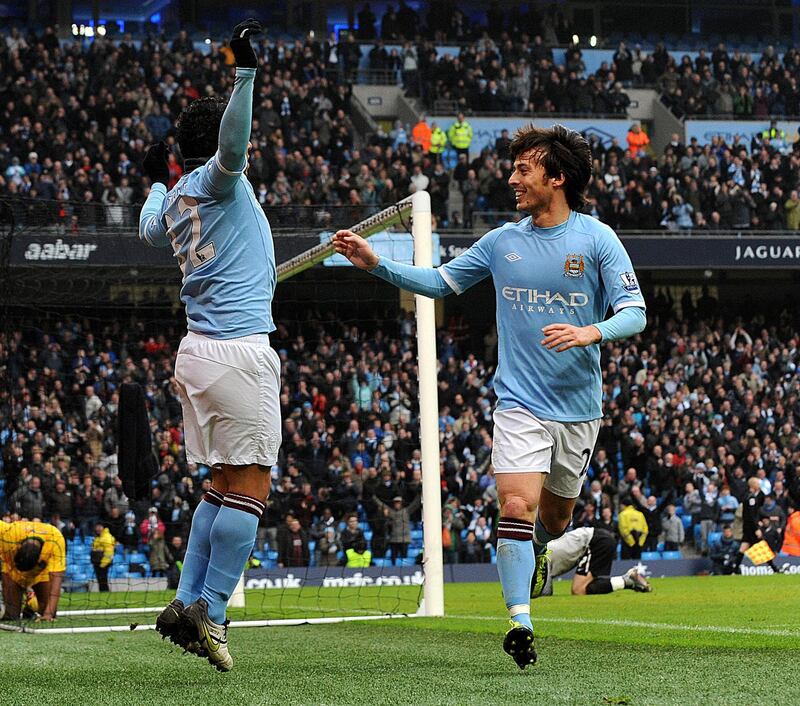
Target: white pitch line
[650, 626]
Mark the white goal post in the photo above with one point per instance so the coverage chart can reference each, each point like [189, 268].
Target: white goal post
[428, 413]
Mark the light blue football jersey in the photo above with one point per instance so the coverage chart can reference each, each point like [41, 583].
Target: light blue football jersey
[569, 273]
[224, 247]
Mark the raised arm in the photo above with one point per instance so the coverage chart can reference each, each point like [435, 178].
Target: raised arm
[234, 130]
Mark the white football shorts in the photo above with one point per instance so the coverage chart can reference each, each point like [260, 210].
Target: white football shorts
[523, 443]
[230, 397]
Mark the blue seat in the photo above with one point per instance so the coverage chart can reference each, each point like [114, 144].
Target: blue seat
[137, 558]
[382, 562]
[259, 555]
[714, 538]
[697, 534]
[660, 547]
[651, 556]
[312, 545]
[272, 555]
[416, 535]
[413, 552]
[408, 561]
[687, 521]
[679, 510]
[672, 555]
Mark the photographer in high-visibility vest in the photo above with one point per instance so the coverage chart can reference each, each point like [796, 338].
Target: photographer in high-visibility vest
[358, 556]
[460, 134]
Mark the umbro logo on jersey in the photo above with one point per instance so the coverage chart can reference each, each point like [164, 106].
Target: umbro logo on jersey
[513, 257]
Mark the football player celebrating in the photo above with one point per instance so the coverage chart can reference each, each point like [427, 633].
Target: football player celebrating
[33, 556]
[590, 551]
[555, 274]
[227, 373]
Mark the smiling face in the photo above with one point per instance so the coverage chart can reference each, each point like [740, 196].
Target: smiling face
[533, 188]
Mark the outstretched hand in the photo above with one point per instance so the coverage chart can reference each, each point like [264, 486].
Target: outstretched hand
[355, 249]
[240, 45]
[562, 337]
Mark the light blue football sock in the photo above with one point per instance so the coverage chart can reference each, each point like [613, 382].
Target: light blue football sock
[232, 538]
[198, 549]
[515, 565]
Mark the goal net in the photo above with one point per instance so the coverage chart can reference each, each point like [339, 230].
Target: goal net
[346, 534]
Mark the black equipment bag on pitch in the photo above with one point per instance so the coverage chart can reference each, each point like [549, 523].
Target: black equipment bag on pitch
[136, 461]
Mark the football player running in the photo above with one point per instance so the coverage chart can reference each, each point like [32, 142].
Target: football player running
[555, 274]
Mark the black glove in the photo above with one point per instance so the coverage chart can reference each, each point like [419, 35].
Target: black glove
[155, 164]
[240, 43]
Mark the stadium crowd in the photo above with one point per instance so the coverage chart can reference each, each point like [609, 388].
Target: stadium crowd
[72, 140]
[699, 409]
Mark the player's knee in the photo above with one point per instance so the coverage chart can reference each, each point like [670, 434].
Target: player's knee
[518, 506]
[579, 590]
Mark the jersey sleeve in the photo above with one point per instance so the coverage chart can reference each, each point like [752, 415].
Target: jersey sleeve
[216, 180]
[471, 266]
[222, 172]
[152, 227]
[617, 275]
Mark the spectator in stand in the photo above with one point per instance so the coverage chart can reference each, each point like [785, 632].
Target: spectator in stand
[421, 134]
[438, 142]
[293, 548]
[352, 533]
[723, 552]
[460, 135]
[638, 141]
[399, 515]
[328, 548]
[632, 529]
[150, 525]
[102, 555]
[673, 530]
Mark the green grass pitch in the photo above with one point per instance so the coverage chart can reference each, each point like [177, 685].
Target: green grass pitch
[705, 640]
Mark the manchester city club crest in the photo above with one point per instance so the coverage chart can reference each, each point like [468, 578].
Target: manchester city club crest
[573, 266]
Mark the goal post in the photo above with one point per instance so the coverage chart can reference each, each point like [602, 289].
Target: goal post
[428, 413]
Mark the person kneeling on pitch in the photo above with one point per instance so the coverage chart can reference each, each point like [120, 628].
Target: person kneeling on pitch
[590, 551]
[33, 556]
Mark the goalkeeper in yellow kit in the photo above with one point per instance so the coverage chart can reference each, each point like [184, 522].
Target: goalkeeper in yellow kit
[33, 555]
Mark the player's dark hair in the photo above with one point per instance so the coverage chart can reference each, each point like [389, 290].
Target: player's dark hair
[28, 554]
[197, 127]
[560, 151]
